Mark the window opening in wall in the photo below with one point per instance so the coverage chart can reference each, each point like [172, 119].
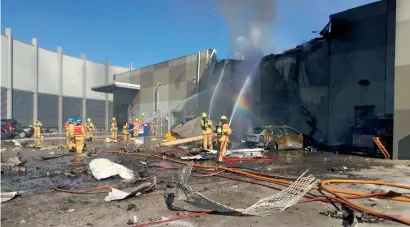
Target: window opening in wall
[363, 117]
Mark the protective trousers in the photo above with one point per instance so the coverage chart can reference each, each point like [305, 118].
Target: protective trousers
[114, 134]
[207, 141]
[223, 142]
[37, 131]
[71, 143]
[79, 144]
[88, 134]
[125, 135]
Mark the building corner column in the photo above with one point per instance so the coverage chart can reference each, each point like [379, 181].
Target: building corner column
[84, 108]
[106, 96]
[10, 74]
[60, 89]
[34, 42]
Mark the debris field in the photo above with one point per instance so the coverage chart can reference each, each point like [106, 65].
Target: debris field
[114, 185]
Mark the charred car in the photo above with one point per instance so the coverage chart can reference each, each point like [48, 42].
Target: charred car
[274, 138]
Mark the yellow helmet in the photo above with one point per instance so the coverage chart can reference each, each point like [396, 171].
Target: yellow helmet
[204, 115]
[224, 117]
[88, 119]
[113, 119]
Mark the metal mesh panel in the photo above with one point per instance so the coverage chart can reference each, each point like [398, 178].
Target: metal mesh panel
[48, 110]
[23, 106]
[3, 102]
[96, 111]
[72, 107]
[267, 206]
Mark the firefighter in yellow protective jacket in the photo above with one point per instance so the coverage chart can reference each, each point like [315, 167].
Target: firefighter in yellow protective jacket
[79, 134]
[224, 137]
[114, 129]
[37, 129]
[89, 130]
[125, 131]
[69, 128]
[206, 126]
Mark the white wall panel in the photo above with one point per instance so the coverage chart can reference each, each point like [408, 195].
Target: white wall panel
[4, 61]
[95, 77]
[72, 77]
[113, 70]
[48, 72]
[24, 66]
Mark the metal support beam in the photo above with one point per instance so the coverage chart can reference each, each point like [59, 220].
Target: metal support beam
[10, 74]
[106, 96]
[34, 42]
[84, 109]
[60, 90]
[198, 71]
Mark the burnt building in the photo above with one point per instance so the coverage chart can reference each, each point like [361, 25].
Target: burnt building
[359, 67]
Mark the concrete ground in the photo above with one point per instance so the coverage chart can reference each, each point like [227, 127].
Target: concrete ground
[41, 206]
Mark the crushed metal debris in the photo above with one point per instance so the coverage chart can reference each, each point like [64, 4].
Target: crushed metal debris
[264, 207]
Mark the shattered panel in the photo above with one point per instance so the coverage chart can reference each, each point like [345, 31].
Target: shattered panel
[267, 206]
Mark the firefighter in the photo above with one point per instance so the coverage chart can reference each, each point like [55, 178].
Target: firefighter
[89, 130]
[69, 132]
[37, 129]
[125, 131]
[206, 126]
[66, 125]
[224, 137]
[79, 134]
[114, 129]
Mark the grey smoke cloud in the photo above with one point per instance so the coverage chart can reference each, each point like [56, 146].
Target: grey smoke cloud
[250, 22]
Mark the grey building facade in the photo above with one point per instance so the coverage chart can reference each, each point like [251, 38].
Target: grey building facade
[51, 86]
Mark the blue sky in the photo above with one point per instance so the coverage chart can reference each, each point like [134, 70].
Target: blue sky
[145, 32]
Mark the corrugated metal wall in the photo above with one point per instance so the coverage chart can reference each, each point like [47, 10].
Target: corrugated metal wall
[72, 107]
[3, 102]
[180, 77]
[48, 110]
[25, 69]
[23, 106]
[96, 111]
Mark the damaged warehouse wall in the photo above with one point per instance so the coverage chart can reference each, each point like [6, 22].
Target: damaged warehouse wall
[295, 89]
[178, 78]
[38, 83]
[361, 75]
[401, 141]
[316, 87]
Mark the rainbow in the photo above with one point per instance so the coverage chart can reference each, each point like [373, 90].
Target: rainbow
[243, 105]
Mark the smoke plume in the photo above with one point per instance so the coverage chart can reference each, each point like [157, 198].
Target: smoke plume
[249, 22]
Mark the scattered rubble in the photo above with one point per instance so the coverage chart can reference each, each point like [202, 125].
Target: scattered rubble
[13, 164]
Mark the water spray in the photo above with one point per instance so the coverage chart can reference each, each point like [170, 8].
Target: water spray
[245, 85]
[216, 87]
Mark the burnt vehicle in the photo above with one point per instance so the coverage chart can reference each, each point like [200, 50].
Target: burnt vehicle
[11, 128]
[274, 138]
[363, 135]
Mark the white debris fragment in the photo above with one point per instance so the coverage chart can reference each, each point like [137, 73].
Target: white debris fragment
[6, 196]
[108, 140]
[16, 143]
[117, 194]
[102, 168]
